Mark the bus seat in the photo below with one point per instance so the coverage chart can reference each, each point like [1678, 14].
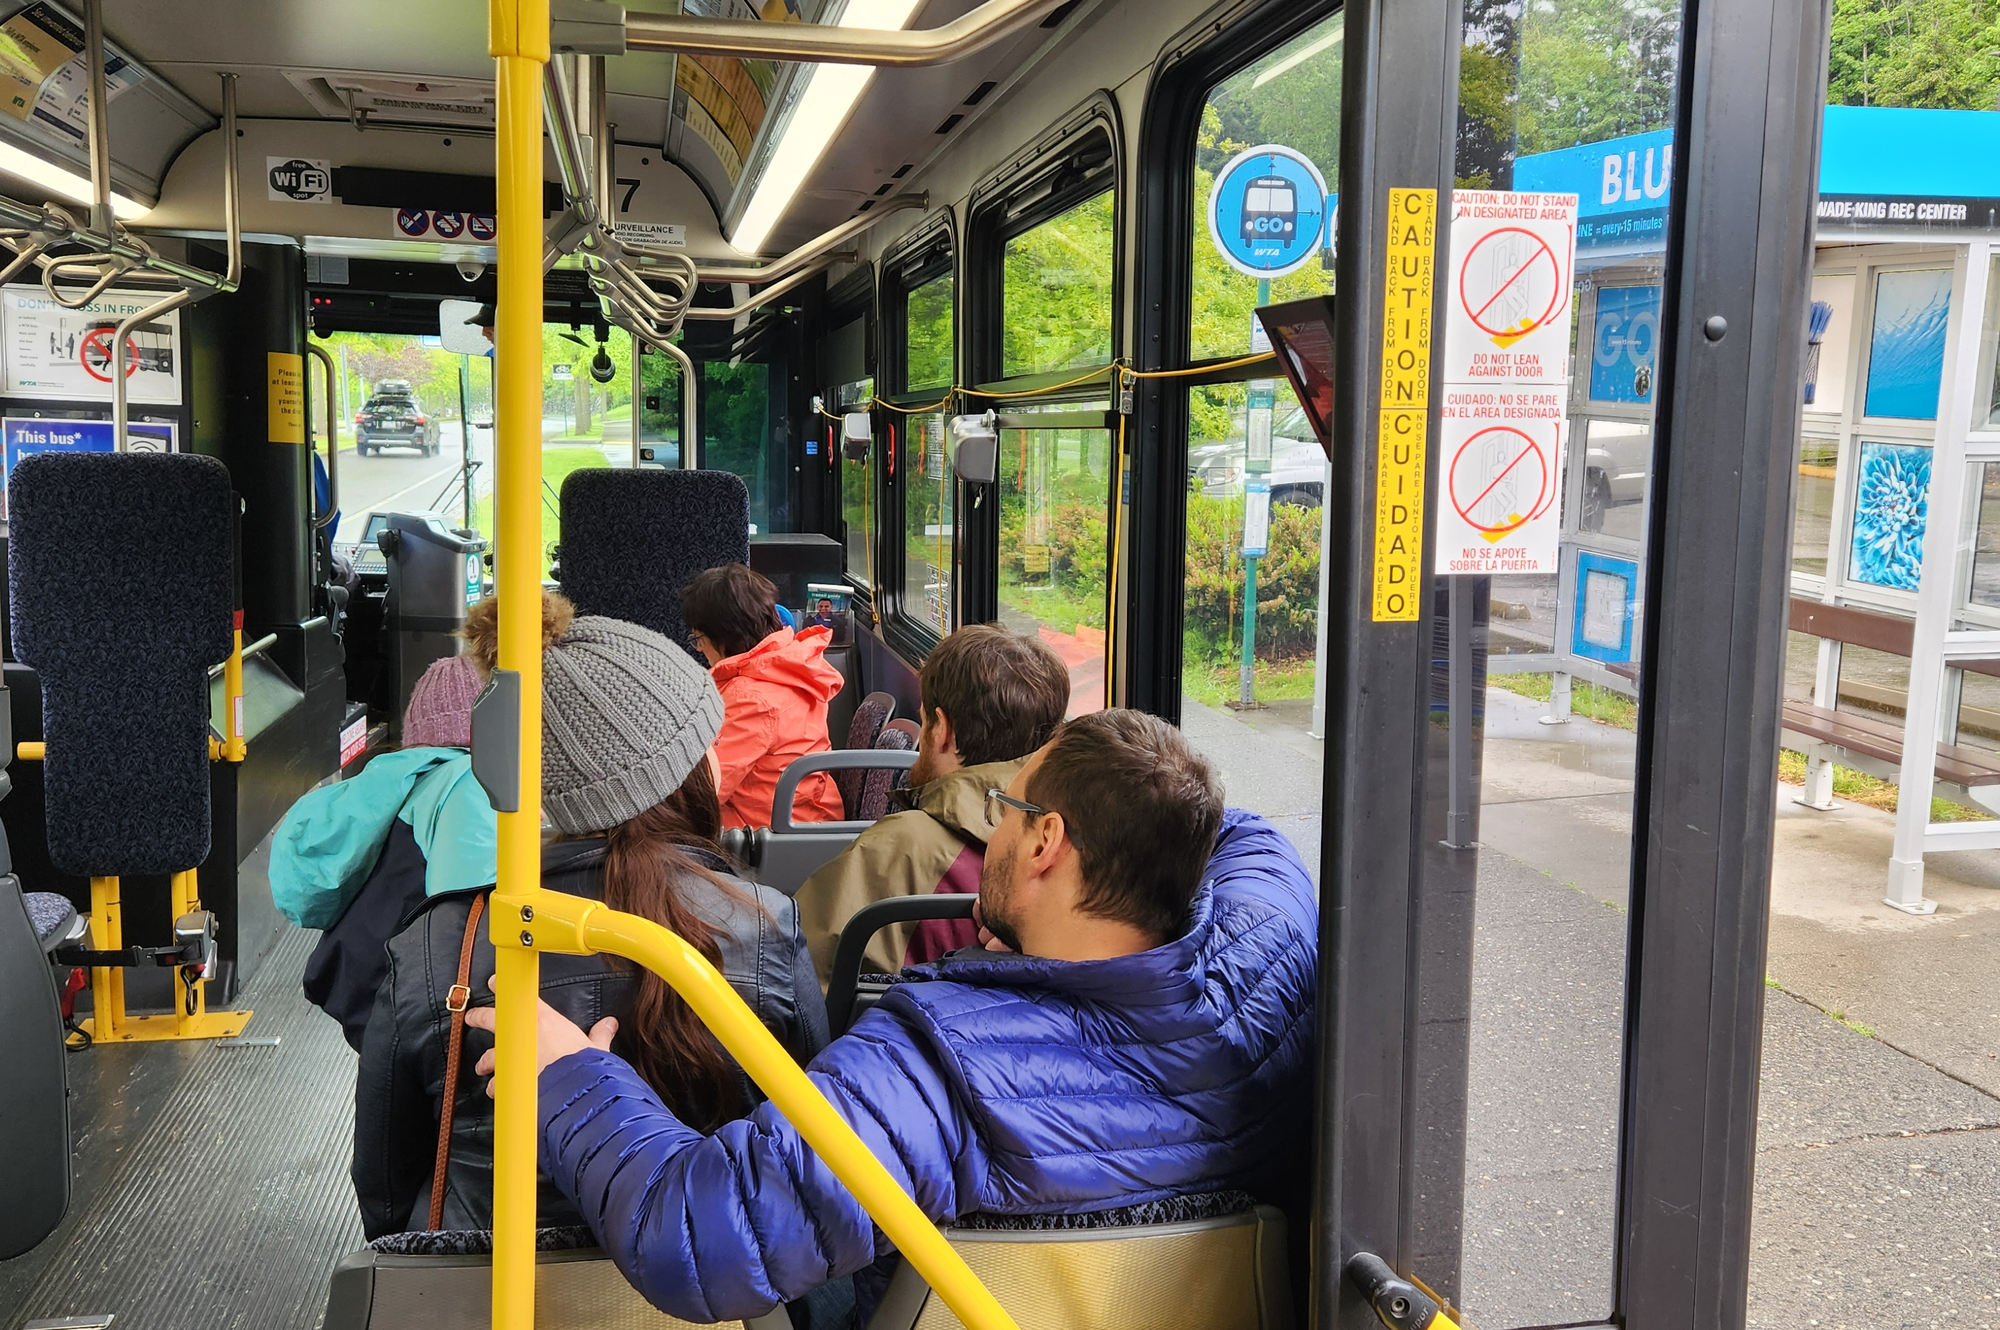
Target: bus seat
[783, 855]
[848, 992]
[34, 1095]
[444, 1281]
[1222, 1270]
[632, 539]
[120, 570]
[898, 736]
[869, 718]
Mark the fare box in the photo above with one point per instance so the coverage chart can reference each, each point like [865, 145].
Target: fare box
[1499, 500]
[1511, 287]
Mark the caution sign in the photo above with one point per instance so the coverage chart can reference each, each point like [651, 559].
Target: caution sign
[1403, 424]
[1513, 261]
[1506, 376]
[1501, 487]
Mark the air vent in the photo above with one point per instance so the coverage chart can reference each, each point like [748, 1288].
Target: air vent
[396, 98]
[1060, 13]
[886, 187]
[902, 170]
[979, 93]
[950, 123]
[866, 206]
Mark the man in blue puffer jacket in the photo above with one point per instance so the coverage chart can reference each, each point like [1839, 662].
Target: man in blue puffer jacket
[1140, 1026]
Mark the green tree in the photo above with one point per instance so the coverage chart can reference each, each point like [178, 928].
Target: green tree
[1940, 54]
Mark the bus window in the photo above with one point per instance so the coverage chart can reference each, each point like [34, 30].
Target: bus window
[1056, 291]
[858, 502]
[1256, 473]
[1054, 495]
[743, 431]
[923, 310]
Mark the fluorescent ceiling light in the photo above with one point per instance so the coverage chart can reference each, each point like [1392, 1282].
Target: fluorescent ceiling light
[1293, 61]
[821, 109]
[58, 180]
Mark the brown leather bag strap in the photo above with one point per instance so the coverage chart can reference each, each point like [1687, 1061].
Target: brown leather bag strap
[455, 1002]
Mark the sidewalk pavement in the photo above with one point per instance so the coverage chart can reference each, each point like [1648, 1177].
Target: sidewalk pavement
[1878, 1169]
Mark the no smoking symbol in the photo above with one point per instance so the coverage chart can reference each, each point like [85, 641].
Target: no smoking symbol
[1500, 481]
[1510, 284]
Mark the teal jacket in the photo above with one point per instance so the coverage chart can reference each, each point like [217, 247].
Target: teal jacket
[329, 842]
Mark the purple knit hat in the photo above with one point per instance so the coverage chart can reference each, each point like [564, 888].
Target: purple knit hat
[440, 710]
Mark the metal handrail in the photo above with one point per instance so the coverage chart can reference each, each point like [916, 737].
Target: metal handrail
[813, 248]
[322, 521]
[257, 648]
[822, 43]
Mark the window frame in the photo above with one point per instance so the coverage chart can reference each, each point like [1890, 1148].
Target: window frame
[1204, 54]
[929, 251]
[1079, 157]
[853, 296]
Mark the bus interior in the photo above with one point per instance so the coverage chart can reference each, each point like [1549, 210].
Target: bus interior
[1139, 327]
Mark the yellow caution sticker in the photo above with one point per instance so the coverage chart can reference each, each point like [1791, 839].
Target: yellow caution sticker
[285, 397]
[1403, 426]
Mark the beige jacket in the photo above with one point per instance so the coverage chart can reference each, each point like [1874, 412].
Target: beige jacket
[907, 853]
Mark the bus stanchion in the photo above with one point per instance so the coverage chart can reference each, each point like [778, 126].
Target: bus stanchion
[1402, 1304]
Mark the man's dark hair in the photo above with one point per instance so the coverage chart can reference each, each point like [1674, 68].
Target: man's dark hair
[1142, 808]
[1004, 693]
[732, 606]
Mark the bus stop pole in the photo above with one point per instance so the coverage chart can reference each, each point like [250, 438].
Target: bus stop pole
[519, 42]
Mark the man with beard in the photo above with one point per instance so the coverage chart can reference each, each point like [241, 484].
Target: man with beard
[1139, 1030]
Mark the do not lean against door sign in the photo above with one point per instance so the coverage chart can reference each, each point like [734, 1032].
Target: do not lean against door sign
[1506, 359]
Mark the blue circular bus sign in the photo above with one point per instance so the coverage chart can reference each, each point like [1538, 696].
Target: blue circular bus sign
[1267, 210]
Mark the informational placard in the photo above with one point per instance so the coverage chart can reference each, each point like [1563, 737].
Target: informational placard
[667, 235]
[1256, 517]
[442, 224]
[1500, 487]
[1267, 210]
[284, 397]
[1506, 371]
[1403, 423]
[65, 354]
[43, 78]
[22, 436]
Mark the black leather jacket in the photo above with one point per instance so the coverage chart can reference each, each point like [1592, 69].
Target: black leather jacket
[401, 1078]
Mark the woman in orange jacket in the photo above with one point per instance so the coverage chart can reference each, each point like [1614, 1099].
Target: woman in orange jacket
[775, 685]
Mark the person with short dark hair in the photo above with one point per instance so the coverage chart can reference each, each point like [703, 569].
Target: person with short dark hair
[775, 685]
[989, 697]
[1150, 1037]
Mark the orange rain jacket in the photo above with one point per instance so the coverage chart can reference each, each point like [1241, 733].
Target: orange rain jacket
[774, 700]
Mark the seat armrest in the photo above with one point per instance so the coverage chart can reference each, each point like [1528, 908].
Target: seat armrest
[866, 923]
[840, 759]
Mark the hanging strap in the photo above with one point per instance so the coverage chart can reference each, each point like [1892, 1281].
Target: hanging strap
[455, 1002]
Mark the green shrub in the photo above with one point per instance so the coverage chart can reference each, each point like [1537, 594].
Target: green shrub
[1287, 581]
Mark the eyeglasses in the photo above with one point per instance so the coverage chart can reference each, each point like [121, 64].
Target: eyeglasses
[999, 801]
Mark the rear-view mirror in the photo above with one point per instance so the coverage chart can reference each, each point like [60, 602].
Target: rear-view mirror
[459, 323]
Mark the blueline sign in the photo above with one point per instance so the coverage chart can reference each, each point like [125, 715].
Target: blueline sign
[1881, 168]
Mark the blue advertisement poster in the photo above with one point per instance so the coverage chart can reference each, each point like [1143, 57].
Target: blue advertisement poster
[26, 436]
[1625, 344]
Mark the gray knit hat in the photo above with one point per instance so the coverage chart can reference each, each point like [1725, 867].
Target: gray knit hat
[626, 715]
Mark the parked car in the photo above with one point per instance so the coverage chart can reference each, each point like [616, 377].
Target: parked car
[1298, 463]
[393, 417]
[1617, 457]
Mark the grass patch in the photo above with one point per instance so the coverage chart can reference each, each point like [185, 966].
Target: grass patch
[1585, 699]
[1861, 788]
[557, 463]
[1271, 681]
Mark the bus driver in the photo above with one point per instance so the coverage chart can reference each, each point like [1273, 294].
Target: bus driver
[1140, 1028]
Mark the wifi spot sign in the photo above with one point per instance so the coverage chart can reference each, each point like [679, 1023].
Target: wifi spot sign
[298, 180]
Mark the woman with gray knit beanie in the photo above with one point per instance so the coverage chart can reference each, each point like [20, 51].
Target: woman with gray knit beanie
[627, 778]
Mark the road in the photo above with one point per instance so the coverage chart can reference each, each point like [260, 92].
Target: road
[402, 478]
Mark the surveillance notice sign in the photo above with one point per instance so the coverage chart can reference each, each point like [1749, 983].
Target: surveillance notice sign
[1506, 377]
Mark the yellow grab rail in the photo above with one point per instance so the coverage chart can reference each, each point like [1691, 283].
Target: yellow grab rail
[518, 37]
[525, 919]
[571, 924]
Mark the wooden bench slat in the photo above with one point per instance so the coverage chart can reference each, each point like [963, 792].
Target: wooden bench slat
[1875, 631]
[1881, 739]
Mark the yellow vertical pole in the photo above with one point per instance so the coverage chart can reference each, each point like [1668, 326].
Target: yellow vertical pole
[519, 40]
[234, 747]
[107, 982]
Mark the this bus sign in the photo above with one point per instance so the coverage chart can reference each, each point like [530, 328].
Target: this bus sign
[1267, 211]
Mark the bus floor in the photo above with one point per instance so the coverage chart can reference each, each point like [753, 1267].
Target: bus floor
[1879, 1117]
[211, 1180]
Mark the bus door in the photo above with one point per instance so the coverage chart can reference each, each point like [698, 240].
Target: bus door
[1522, 618]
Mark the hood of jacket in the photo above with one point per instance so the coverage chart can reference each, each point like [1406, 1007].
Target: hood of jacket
[958, 800]
[329, 841]
[796, 661]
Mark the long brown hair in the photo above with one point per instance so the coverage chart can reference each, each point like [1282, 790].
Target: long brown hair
[647, 867]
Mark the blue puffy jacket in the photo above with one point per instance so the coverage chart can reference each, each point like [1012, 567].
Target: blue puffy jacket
[1009, 1084]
